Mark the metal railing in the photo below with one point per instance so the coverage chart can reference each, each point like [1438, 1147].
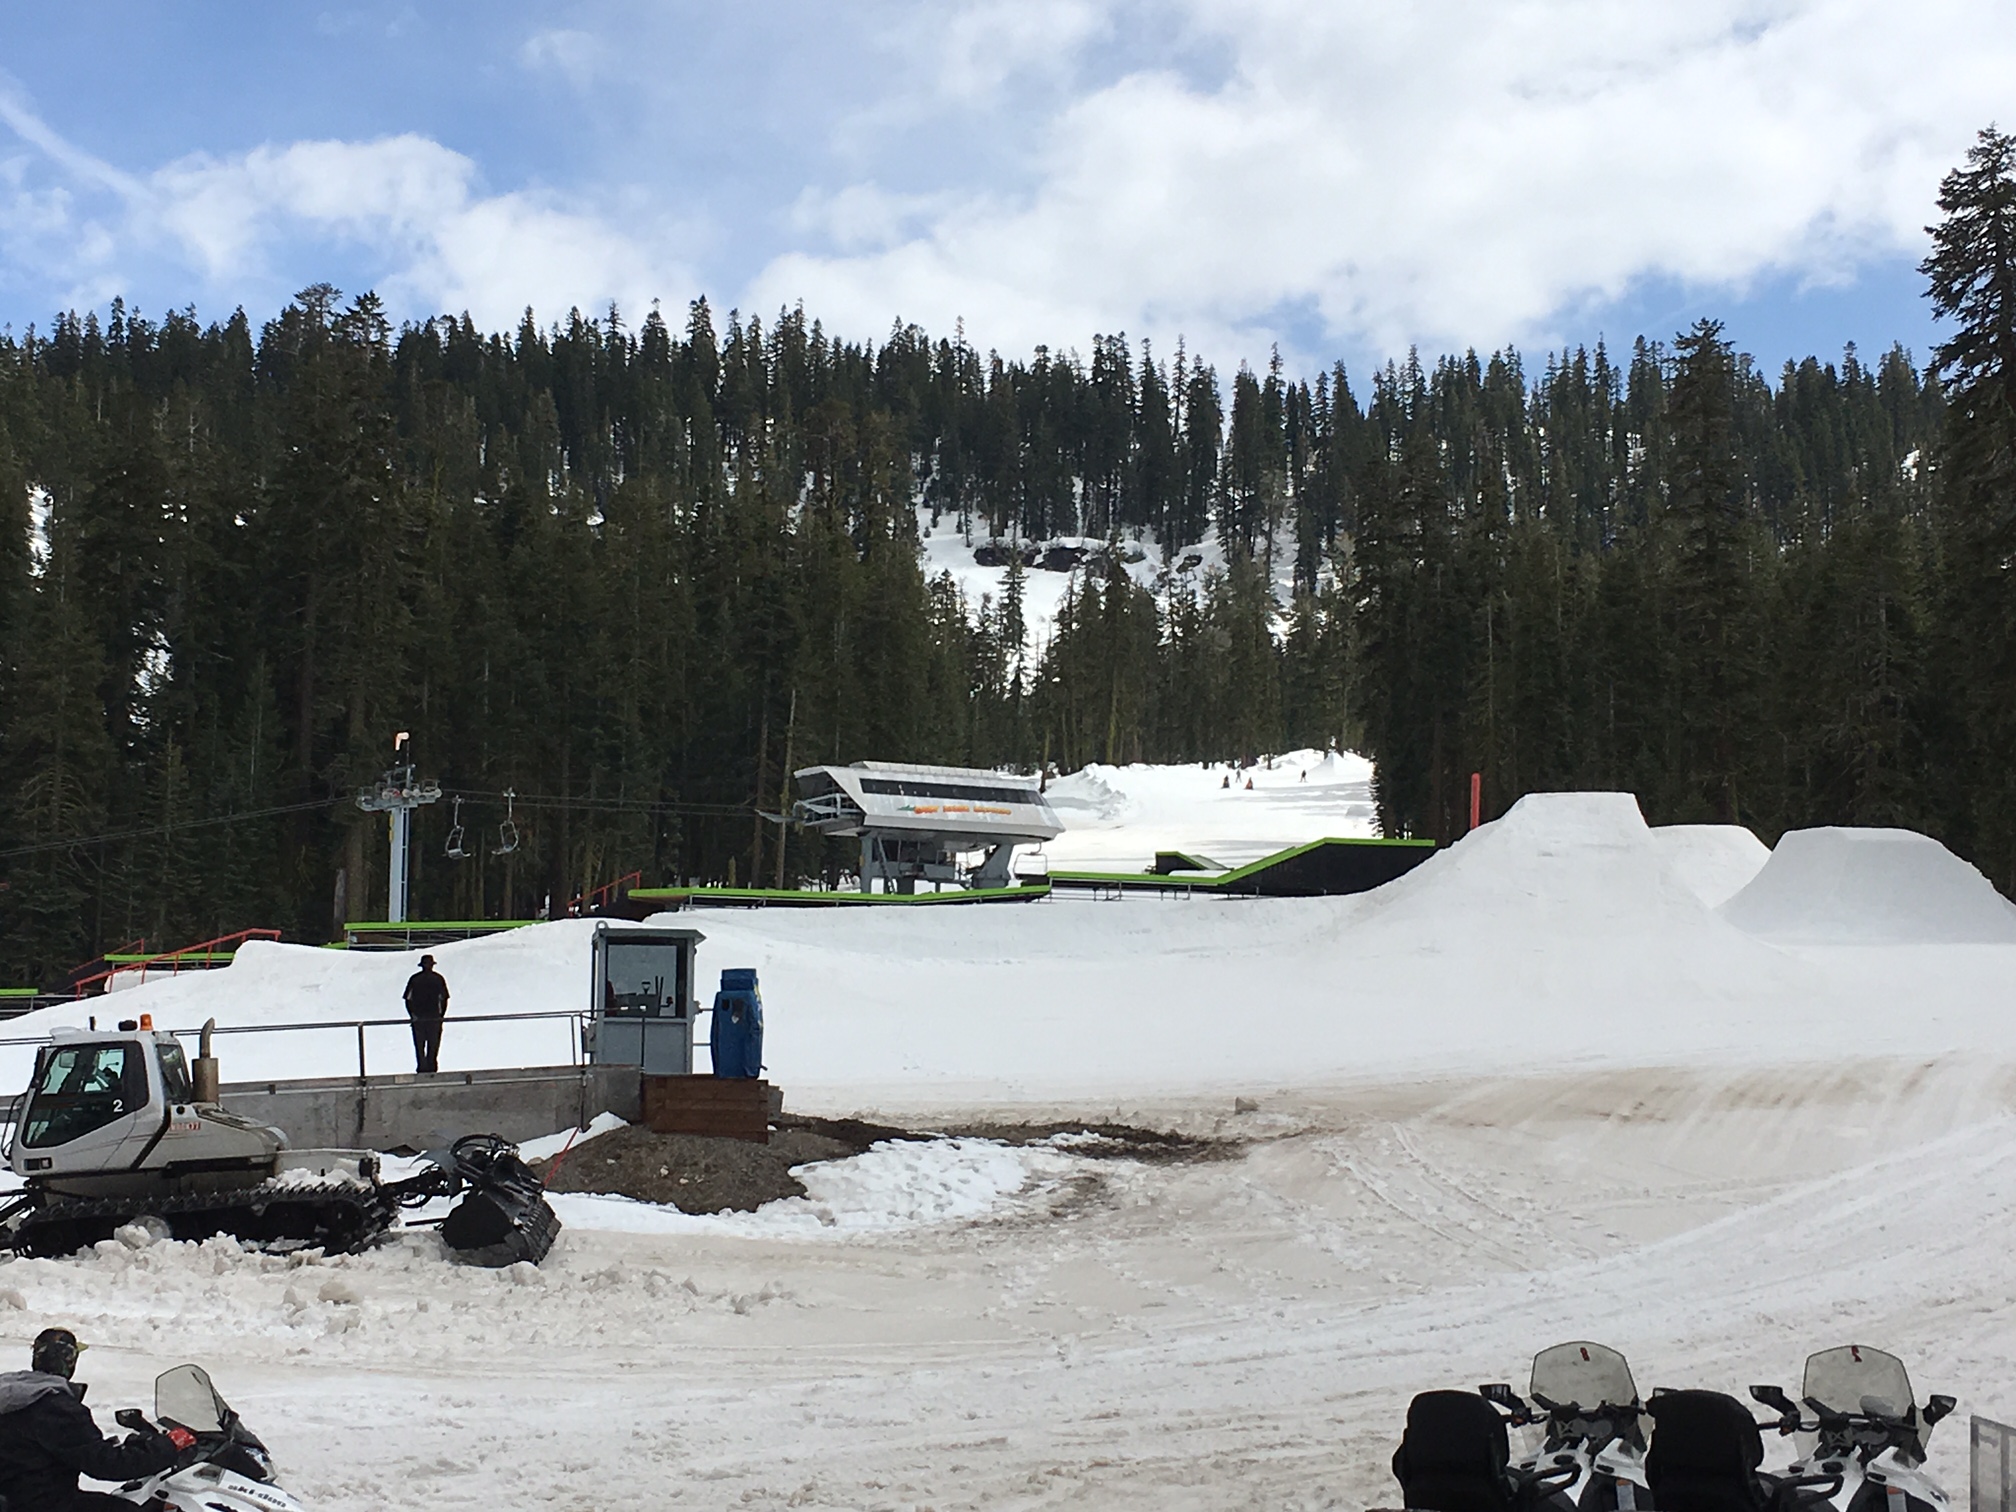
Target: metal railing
[600, 897]
[200, 956]
[576, 1045]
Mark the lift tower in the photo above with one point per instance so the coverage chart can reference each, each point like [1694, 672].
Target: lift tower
[396, 795]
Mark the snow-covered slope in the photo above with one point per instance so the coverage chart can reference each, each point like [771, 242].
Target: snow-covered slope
[1562, 934]
[1118, 817]
[1539, 1089]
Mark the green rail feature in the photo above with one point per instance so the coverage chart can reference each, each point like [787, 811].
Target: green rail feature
[789, 897]
[419, 926]
[1261, 876]
[196, 961]
[420, 934]
[20, 992]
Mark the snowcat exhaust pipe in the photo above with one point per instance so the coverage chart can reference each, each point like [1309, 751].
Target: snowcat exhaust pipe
[204, 1072]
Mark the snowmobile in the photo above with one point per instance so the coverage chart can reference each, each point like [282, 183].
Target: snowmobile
[115, 1130]
[1864, 1450]
[1590, 1421]
[225, 1469]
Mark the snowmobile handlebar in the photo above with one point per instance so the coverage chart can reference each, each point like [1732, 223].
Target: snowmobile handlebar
[195, 1448]
[1502, 1396]
[1884, 1430]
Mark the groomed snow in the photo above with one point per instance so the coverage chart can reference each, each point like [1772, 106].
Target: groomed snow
[1541, 1088]
[1117, 818]
[1871, 887]
[1564, 931]
[1716, 861]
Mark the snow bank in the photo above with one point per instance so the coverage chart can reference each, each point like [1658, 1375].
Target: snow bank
[1871, 887]
[534, 970]
[1715, 861]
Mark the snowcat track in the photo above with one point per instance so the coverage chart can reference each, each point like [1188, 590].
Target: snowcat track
[338, 1217]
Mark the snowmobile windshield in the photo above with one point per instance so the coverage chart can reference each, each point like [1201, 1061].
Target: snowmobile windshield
[175, 1083]
[1586, 1375]
[185, 1397]
[1858, 1379]
[79, 1088]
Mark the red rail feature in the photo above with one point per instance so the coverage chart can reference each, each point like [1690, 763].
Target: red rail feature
[601, 896]
[198, 957]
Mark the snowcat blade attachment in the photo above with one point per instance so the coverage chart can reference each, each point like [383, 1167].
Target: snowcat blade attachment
[495, 1227]
[505, 1217]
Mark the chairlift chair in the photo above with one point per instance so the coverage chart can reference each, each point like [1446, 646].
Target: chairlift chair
[458, 850]
[507, 832]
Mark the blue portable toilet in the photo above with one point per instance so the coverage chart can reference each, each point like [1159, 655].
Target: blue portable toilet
[737, 1040]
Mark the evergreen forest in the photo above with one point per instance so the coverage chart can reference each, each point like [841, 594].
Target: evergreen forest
[631, 572]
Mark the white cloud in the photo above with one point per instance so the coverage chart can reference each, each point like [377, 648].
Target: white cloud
[575, 55]
[1445, 172]
[446, 246]
[435, 240]
[1350, 173]
[863, 216]
[975, 49]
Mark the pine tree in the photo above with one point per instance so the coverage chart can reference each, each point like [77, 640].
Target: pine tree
[1971, 278]
[1714, 627]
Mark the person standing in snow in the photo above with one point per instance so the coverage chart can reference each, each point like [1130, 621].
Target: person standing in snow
[47, 1437]
[426, 1007]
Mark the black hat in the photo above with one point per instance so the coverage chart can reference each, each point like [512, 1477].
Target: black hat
[56, 1351]
[426, 960]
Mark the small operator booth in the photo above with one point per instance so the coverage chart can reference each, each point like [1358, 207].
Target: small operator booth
[642, 1004]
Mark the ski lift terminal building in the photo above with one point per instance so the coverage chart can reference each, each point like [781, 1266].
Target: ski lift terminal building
[915, 822]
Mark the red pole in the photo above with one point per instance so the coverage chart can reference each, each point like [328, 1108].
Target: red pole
[1476, 799]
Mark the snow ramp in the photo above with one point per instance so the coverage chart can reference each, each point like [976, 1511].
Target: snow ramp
[1716, 861]
[1555, 865]
[1839, 886]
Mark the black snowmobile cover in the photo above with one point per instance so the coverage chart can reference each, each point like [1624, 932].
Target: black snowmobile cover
[1705, 1453]
[1454, 1455]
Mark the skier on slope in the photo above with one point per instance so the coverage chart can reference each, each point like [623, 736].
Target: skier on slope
[48, 1439]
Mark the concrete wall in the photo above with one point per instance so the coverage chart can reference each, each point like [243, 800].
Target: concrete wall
[427, 1112]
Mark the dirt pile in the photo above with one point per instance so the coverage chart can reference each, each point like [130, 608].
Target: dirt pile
[692, 1172]
[698, 1174]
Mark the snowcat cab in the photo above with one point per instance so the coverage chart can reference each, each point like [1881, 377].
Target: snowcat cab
[112, 1114]
[113, 1130]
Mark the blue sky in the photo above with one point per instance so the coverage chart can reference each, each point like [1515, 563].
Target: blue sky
[1344, 179]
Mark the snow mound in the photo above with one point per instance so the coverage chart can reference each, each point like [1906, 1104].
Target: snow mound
[1581, 863]
[1716, 861]
[1871, 887]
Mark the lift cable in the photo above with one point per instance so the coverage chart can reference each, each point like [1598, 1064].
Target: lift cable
[536, 801]
[613, 805]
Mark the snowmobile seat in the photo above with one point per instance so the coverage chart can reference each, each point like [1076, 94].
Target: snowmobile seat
[1704, 1455]
[1454, 1456]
